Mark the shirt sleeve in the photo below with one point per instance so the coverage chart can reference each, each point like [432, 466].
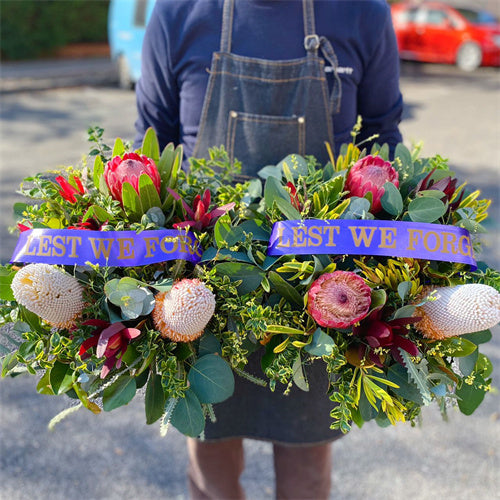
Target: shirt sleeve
[380, 102]
[157, 94]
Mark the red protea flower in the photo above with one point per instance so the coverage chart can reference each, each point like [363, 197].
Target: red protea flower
[378, 333]
[129, 168]
[368, 175]
[447, 185]
[89, 225]
[294, 198]
[111, 341]
[68, 190]
[23, 227]
[199, 217]
[338, 299]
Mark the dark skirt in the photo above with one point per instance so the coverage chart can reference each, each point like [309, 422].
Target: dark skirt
[258, 413]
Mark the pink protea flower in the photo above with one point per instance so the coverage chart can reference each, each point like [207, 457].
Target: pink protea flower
[128, 169]
[200, 216]
[338, 299]
[182, 313]
[369, 175]
[111, 342]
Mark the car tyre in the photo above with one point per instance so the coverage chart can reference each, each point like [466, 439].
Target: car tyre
[469, 56]
[124, 78]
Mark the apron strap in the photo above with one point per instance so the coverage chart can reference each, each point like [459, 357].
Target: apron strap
[330, 56]
[311, 39]
[227, 26]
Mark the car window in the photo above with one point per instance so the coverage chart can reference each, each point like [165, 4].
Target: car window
[477, 17]
[436, 17]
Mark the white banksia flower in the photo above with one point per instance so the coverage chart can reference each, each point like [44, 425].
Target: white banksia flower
[182, 313]
[50, 293]
[458, 310]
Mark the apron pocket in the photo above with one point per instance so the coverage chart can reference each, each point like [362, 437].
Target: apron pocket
[260, 140]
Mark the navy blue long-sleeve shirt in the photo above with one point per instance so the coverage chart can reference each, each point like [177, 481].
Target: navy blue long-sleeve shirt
[182, 35]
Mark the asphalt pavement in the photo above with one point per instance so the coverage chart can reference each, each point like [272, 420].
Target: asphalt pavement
[116, 456]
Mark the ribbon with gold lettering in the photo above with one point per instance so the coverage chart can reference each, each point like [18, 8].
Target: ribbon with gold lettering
[417, 240]
[106, 248]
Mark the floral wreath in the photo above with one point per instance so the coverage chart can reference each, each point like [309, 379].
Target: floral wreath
[307, 263]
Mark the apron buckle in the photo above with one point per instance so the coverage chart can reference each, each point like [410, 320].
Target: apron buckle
[311, 42]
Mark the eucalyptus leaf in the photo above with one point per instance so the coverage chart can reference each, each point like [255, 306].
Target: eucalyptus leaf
[404, 289]
[211, 379]
[188, 417]
[296, 164]
[468, 363]
[321, 345]
[209, 344]
[287, 209]
[391, 200]
[120, 393]
[426, 209]
[155, 399]
[298, 374]
[251, 276]
[273, 189]
[471, 396]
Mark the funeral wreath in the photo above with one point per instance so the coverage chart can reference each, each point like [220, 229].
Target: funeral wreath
[133, 276]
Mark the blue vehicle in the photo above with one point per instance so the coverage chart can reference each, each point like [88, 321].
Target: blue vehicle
[127, 21]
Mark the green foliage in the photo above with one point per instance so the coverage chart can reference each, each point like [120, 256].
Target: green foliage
[34, 28]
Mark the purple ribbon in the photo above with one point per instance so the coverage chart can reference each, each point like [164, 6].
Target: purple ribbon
[417, 240]
[106, 248]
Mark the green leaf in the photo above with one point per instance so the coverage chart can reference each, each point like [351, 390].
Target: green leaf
[19, 209]
[405, 169]
[118, 148]
[468, 363]
[120, 393]
[188, 417]
[295, 164]
[155, 399]
[286, 330]
[211, 379]
[478, 337]
[6, 278]
[131, 201]
[484, 366]
[471, 396]
[97, 212]
[150, 145]
[61, 378]
[426, 209]
[458, 346]
[298, 374]
[98, 174]
[391, 200]
[274, 190]
[321, 345]
[147, 193]
[407, 390]
[403, 289]
[404, 312]
[366, 410]
[378, 299]
[287, 209]
[209, 344]
[43, 386]
[287, 291]
[251, 276]
[418, 376]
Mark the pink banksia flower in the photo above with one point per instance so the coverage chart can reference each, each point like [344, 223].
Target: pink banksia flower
[50, 293]
[182, 313]
[338, 299]
[129, 168]
[368, 175]
[458, 310]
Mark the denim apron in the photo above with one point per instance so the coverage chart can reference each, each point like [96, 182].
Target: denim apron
[261, 111]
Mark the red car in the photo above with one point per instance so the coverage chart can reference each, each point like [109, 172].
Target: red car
[439, 33]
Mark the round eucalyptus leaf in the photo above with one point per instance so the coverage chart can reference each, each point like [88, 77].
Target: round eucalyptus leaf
[426, 209]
